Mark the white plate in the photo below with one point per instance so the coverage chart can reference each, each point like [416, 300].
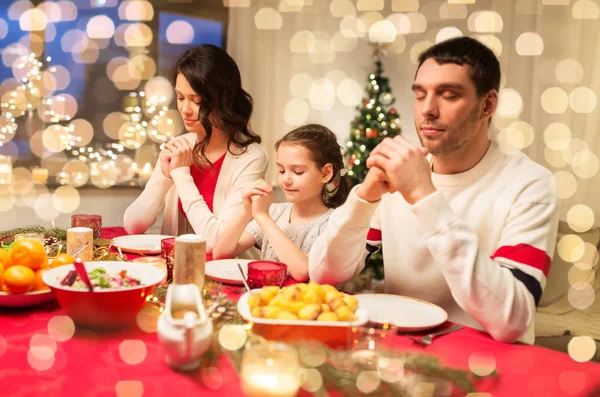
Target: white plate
[244, 310]
[226, 270]
[25, 300]
[145, 244]
[408, 314]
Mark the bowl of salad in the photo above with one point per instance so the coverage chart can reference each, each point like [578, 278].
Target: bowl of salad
[119, 292]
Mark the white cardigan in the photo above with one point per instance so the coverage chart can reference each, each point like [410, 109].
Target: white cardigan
[237, 172]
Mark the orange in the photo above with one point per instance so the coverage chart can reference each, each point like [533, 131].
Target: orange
[5, 257]
[61, 260]
[1, 273]
[19, 279]
[39, 284]
[28, 253]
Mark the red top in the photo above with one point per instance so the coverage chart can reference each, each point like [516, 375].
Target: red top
[205, 180]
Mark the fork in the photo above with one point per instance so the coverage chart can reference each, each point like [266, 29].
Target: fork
[428, 339]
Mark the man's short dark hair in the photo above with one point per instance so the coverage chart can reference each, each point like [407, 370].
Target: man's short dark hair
[485, 68]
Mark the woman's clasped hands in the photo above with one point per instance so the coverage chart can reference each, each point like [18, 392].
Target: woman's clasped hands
[178, 152]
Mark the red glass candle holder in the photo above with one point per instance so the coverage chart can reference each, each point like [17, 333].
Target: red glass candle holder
[265, 273]
[167, 251]
[94, 222]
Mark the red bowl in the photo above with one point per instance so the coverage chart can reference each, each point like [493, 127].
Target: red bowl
[105, 309]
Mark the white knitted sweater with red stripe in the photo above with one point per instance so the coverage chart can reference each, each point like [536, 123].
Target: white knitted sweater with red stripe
[480, 247]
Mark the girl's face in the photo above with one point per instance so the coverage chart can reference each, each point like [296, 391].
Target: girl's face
[188, 105]
[299, 176]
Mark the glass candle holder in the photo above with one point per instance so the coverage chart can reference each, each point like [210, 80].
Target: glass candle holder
[155, 261]
[167, 251]
[94, 222]
[270, 370]
[265, 273]
[39, 237]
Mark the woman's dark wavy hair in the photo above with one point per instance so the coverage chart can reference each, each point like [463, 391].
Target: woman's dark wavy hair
[215, 78]
[323, 145]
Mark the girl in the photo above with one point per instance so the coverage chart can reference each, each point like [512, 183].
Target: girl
[312, 176]
[200, 176]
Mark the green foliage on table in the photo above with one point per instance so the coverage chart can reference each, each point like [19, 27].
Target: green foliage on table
[56, 240]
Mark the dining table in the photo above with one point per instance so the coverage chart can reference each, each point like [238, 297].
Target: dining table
[42, 353]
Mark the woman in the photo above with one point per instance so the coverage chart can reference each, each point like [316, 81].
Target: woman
[200, 176]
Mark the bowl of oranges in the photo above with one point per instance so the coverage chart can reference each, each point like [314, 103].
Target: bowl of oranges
[22, 267]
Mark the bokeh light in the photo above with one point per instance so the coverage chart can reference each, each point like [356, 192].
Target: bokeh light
[570, 248]
[382, 32]
[342, 8]
[554, 100]
[581, 296]
[100, 27]
[133, 351]
[180, 32]
[66, 199]
[585, 9]
[61, 328]
[138, 35]
[510, 103]
[583, 100]
[368, 381]
[268, 18]
[232, 337]
[482, 364]
[33, 20]
[129, 388]
[351, 26]
[341, 43]
[350, 92]
[369, 5]
[75, 173]
[565, 183]
[453, 11]
[300, 85]
[447, 33]
[557, 136]
[582, 348]
[590, 257]
[529, 44]
[322, 95]
[485, 21]
[417, 49]
[370, 18]
[569, 71]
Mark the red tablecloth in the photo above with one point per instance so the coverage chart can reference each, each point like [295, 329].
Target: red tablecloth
[131, 363]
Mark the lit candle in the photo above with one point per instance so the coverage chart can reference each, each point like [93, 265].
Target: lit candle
[189, 260]
[257, 383]
[77, 237]
[270, 370]
[39, 175]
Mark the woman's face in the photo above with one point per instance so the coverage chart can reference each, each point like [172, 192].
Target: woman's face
[188, 105]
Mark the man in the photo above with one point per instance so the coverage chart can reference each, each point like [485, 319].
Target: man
[471, 229]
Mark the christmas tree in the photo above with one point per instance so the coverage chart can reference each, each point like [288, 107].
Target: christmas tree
[376, 120]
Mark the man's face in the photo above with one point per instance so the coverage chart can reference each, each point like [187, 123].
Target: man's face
[447, 110]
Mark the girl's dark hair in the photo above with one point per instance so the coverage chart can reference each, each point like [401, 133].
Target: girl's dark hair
[324, 148]
[215, 78]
